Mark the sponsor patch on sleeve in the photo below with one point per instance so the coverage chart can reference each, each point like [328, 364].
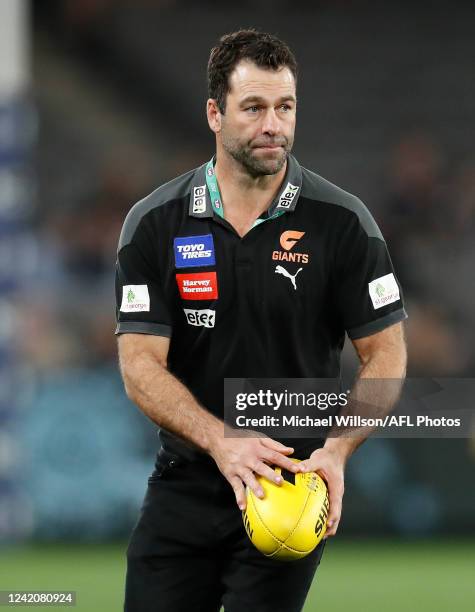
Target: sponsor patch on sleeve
[383, 290]
[135, 298]
[193, 251]
[198, 286]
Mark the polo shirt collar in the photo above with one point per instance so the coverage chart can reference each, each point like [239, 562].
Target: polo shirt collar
[201, 204]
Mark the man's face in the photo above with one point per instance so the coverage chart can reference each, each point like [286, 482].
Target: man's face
[258, 126]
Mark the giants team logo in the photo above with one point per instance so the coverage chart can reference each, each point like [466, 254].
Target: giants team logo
[192, 251]
[288, 240]
[199, 286]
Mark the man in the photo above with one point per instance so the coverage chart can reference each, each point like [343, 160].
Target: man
[247, 266]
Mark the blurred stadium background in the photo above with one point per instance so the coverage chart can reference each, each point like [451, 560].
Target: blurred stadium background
[100, 102]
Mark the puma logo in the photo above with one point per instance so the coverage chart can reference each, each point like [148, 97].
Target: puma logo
[283, 271]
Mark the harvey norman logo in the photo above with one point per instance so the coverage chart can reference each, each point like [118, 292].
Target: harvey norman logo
[199, 199]
[287, 196]
[288, 240]
[200, 318]
[193, 251]
[199, 286]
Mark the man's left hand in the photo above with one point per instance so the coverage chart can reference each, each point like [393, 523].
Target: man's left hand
[330, 465]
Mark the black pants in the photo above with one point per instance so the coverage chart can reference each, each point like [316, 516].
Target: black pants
[189, 551]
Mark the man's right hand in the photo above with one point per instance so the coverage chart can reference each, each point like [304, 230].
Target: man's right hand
[241, 458]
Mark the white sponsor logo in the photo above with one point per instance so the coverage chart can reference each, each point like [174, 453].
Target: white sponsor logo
[194, 250]
[199, 199]
[288, 196]
[200, 318]
[291, 277]
[383, 290]
[135, 298]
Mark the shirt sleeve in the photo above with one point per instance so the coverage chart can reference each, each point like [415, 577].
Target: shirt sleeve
[368, 295]
[141, 306]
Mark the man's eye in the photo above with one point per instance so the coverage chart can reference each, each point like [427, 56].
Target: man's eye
[285, 107]
[252, 109]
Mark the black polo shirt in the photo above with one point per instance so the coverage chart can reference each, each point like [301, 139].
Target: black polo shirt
[275, 303]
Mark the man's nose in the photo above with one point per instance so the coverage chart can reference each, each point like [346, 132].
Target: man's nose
[271, 122]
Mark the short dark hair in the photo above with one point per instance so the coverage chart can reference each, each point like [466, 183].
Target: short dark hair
[265, 50]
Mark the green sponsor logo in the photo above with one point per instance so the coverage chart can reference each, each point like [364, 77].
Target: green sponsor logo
[380, 290]
[130, 296]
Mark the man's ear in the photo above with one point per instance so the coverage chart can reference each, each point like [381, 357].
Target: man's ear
[214, 115]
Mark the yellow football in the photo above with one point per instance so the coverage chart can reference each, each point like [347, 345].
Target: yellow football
[291, 519]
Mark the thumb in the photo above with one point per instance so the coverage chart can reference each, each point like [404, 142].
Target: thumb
[307, 466]
[311, 464]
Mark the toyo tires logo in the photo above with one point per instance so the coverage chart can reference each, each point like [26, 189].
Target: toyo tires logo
[192, 251]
